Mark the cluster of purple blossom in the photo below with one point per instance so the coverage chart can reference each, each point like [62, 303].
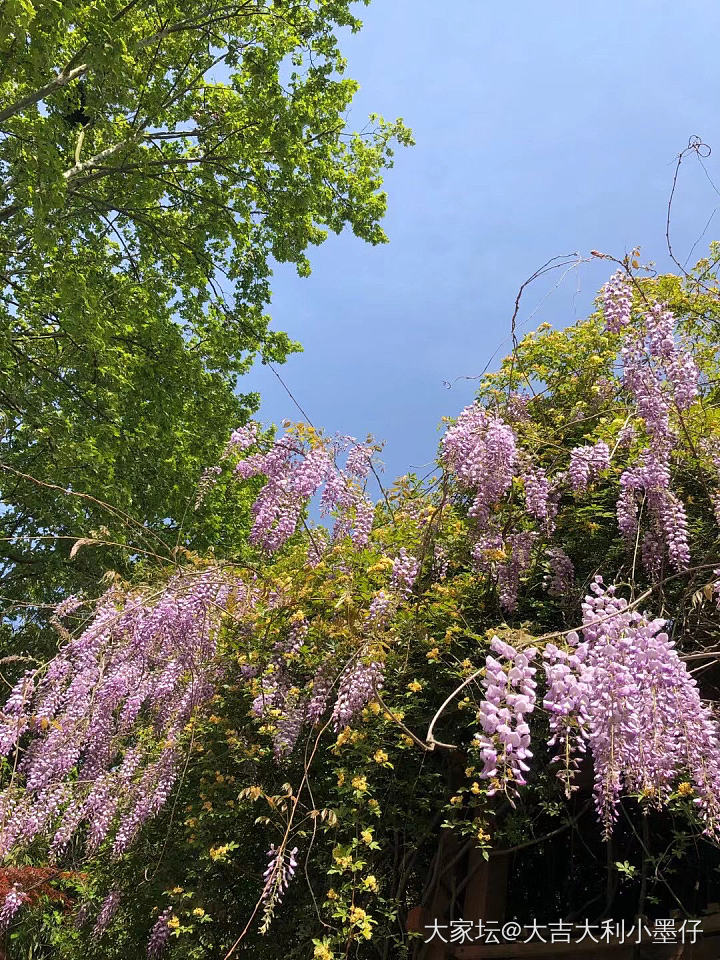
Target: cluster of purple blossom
[106, 914]
[560, 578]
[159, 935]
[620, 691]
[662, 376]
[14, 899]
[357, 686]
[508, 558]
[481, 450]
[624, 691]
[617, 302]
[586, 463]
[404, 573]
[538, 498]
[280, 871]
[296, 469]
[567, 705]
[509, 697]
[77, 725]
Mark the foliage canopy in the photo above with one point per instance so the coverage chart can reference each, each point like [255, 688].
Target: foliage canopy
[156, 159]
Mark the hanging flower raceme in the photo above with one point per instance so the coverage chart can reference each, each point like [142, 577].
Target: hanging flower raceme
[538, 499]
[586, 463]
[481, 450]
[108, 909]
[566, 701]
[625, 692]
[159, 935]
[98, 730]
[617, 302]
[560, 578]
[299, 465]
[507, 559]
[356, 689]
[405, 569]
[662, 377]
[280, 871]
[509, 697]
[14, 899]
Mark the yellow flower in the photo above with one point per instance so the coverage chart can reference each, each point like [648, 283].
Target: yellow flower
[456, 799]
[433, 654]
[374, 707]
[218, 853]
[380, 756]
[331, 895]
[475, 788]
[213, 719]
[359, 783]
[323, 952]
[173, 923]
[415, 686]
[198, 912]
[406, 739]
[341, 778]
[177, 890]
[367, 836]
[207, 805]
[469, 771]
[343, 737]
[357, 915]
[370, 883]
[685, 789]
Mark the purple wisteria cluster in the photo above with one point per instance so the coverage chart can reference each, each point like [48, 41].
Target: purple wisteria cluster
[617, 302]
[623, 691]
[560, 578]
[481, 450]
[159, 935]
[280, 871]
[106, 914]
[586, 463]
[14, 899]
[508, 558]
[404, 573]
[620, 692]
[538, 495]
[79, 727]
[357, 686]
[509, 690]
[663, 378]
[299, 465]
[566, 701]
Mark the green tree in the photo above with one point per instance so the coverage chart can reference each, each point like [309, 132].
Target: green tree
[156, 159]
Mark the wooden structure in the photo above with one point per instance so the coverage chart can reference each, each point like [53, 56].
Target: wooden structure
[484, 899]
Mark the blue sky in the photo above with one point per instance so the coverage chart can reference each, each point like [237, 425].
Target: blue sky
[541, 129]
